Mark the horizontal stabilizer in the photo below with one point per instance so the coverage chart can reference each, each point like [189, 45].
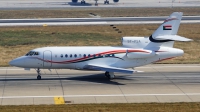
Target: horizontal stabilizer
[172, 37]
[109, 69]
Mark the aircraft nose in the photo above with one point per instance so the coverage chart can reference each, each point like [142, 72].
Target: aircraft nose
[18, 62]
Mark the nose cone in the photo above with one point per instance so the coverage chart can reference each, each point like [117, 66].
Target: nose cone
[18, 62]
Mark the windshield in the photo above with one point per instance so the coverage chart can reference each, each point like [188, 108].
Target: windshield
[32, 53]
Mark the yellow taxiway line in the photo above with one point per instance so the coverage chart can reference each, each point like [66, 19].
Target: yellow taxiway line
[59, 100]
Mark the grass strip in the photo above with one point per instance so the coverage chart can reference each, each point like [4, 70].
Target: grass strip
[86, 12]
[134, 107]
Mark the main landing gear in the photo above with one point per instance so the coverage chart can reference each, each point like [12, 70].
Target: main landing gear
[83, 2]
[106, 2]
[96, 4]
[110, 75]
[39, 75]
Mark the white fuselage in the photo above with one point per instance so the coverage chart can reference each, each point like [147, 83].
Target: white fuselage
[78, 57]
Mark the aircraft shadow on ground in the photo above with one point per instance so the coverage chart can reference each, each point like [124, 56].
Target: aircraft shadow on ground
[98, 78]
[95, 78]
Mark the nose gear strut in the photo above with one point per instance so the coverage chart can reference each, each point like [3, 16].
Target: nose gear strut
[39, 75]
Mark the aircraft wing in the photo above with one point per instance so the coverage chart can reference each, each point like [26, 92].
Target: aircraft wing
[109, 69]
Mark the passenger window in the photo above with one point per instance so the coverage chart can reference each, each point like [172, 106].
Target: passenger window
[61, 55]
[75, 55]
[84, 55]
[70, 55]
[88, 55]
[100, 55]
[66, 55]
[107, 55]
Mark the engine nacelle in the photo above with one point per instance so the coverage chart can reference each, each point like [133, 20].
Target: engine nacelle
[75, 1]
[115, 0]
[140, 53]
[134, 42]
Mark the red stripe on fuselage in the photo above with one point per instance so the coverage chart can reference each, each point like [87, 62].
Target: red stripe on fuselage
[102, 53]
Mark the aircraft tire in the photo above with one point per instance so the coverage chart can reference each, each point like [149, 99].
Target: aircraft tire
[39, 77]
[107, 74]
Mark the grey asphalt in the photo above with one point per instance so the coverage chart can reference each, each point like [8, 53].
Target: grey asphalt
[159, 83]
[63, 4]
[111, 19]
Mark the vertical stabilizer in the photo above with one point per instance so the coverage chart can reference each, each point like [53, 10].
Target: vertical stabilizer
[170, 26]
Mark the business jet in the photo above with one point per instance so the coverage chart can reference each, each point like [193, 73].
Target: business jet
[134, 52]
[96, 1]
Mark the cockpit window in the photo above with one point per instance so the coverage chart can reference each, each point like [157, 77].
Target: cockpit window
[27, 53]
[32, 53]
[36, 53]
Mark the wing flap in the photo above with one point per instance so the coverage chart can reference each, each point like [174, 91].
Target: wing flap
[109, 69]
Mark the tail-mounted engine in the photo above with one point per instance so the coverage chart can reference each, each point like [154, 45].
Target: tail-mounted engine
[140, 53]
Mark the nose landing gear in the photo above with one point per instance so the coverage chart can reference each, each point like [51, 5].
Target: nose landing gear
[96, 4]
[110, 75]
[106, 2]
[39, 75]
[83, 2]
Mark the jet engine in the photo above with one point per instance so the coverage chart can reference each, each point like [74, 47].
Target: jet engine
[74, 1]
[140, 53]
[134, 42]
[115, 0]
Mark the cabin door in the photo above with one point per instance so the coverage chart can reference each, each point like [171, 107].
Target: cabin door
[47, 56]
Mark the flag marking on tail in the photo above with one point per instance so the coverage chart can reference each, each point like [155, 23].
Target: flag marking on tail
[167, 27]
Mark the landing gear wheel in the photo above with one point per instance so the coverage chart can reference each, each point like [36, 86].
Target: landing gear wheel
[106, 2]
[107, 75]
[82, 2]
[110, 75]
[39, 77]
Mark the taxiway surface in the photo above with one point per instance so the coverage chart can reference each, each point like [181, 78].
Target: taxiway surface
[92, 21]
[49, 4]
[159, 83]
